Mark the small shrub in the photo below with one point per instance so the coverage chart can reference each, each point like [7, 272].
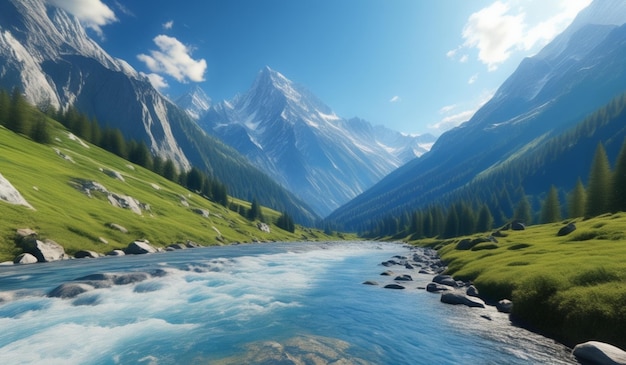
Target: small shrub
[535, 304]
[598, 275]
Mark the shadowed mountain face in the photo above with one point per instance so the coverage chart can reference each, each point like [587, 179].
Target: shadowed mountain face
[47, 54]
[578, 72]
[289, 133]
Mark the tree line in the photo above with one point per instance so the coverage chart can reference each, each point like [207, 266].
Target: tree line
[18, 115]
[604, 193]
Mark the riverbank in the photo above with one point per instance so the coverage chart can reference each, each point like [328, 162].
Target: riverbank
[569, 287]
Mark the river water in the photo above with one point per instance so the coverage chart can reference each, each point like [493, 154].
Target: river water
[279, 303]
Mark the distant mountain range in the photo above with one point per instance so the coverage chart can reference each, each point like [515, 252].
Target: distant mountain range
[289, 133]
[47, 54]
[578, 72]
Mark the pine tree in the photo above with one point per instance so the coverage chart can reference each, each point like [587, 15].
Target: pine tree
[40, 132]
[523, 212]
[551, 209]
[577, 201]
[285, 222]
[5, 107]
[169, 170]
[485, 219]
[18, 113]
[451, 228]
[255, 211]
[599, 184]
[618, 190]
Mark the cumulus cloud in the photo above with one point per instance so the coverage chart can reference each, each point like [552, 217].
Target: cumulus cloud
[93, 14]
[502, 28]
[157, 81]
[472, 79]
[168, 25]
[395, 99]
[174, 59]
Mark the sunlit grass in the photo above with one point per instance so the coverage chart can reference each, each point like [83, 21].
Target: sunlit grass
[68, 216]
[572, 287]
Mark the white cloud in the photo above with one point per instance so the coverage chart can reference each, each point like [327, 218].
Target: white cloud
[395, 99]
[464, 58]
[448, 108]
[450, 120]
[168, 25]
[157, 81]
[93, 14]
[502, 28]
[472, 79]
[174, 59]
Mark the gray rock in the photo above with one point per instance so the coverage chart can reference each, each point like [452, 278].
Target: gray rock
[504, 306]
[117, 227]
[130, 278]
[86, 254]
[599, 353]
[203, 212]
[139, 247]
[263, 227]
[23, 233]
[178, 246]
[25, 258]
[394, 286]
[386, 273]
[70, 290]
[404, 277]
[445, 280]
[116, 253]
[460, 298]
[44, 251]
[436, 288]
[565, 230]
[370, 282]
[471, 291]
[518, 226]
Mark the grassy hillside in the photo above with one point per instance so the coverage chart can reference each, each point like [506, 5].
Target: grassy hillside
[572, 287]
[70, 217]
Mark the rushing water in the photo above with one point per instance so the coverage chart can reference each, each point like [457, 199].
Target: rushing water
[295, 303]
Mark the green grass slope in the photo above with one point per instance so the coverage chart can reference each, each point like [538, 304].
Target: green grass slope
[76, 221]
[572, 288]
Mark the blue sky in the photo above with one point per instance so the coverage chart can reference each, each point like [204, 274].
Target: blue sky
[415, 66]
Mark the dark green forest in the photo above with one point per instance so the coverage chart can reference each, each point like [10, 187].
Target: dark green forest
[543, 185]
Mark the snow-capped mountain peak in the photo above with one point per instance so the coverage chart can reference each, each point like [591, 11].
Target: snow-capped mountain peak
[290, 133]
[195, 102]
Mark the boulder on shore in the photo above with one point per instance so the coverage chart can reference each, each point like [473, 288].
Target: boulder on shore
[140, 247]
[504, 306]
[25, 258]
[599, 353]
[82, 254]
[460, 298]
[45, 251]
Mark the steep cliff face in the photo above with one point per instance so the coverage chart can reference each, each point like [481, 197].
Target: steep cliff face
[47, 54]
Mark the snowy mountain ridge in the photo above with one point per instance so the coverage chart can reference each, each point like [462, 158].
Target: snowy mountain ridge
[288, 132]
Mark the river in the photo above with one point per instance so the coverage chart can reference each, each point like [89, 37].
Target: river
[278, 303]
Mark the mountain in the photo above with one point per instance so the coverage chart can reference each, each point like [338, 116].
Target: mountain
[290, 134]
[47, 54]
[578, 72]
[195, 102]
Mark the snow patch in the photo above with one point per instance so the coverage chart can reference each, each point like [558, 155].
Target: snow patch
[9, 193]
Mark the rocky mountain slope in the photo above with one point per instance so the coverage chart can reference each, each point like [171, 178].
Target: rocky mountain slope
[47, 54]
[574, 75]
[289, 133]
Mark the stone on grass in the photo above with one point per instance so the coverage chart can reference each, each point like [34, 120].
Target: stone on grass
[565, 230]
[504, 306]
[45, 251]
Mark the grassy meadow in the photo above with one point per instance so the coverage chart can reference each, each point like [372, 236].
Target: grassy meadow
[572, 287]
[76, 221]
